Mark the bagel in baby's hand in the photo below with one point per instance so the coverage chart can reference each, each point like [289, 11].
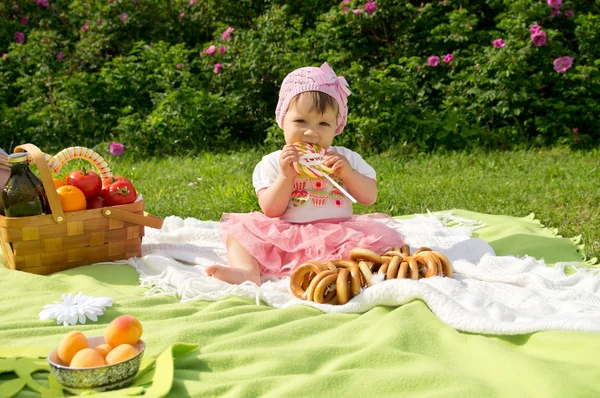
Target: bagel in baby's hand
[337, 281]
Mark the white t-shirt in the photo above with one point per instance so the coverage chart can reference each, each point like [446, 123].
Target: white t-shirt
[312, 199]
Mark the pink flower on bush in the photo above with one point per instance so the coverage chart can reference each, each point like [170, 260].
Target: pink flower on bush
[556, 4]
[345, 9]
[85, 27]
[60, 55]
[24, 21]
[448, 58]
[563, 64]
[569, 13]
[434, 61]
[534, 29]
[181, 15]
[222, 50]
[192, 2]
[134, 1]
[499, 43]
[179, 66]
[555, 13]
[358, 11]
[123, 17]
[5, 57]
[370, 7]
[539, 38]
[575, 130]
[217, 68]
[477, 67]
[99, 22]
[19, 37]
[226, 33]
[116, 149]
[42, 3]
[345, 1]
[210, 50]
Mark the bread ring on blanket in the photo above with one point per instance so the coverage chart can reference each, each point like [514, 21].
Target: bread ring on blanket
[403, 271]
[414, 267]
[405, 249]
[446, 266]
[384, 267]
[330, 266]
[366, 255]
[341, 286]
[310, 292]
[430, 266]
[392, 270]
[355, 280]
[435, 258]
[323, 291]
[393, 253]
[421, 249]
[344, 263]
[297, 280]
[366, 272]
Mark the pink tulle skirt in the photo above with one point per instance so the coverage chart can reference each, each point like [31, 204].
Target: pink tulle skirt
[280, 246]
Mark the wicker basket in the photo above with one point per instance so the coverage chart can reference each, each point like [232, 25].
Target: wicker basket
[59, 241]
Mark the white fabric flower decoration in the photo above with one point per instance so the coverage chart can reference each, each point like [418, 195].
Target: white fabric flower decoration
[75, 308]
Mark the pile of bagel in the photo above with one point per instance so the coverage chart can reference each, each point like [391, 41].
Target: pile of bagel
[337, 281]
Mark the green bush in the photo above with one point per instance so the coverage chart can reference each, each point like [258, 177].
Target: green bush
[89, 72]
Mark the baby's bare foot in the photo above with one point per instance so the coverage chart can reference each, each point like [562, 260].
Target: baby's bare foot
[232, 275]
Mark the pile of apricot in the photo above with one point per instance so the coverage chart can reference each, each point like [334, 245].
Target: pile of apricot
[120, 336]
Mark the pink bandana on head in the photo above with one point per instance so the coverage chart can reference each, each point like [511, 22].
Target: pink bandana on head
[311, 78]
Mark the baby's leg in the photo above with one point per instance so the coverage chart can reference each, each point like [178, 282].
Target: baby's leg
[242, 266]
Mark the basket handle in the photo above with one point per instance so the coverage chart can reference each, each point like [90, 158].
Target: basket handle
[40, 161]
[147, 220]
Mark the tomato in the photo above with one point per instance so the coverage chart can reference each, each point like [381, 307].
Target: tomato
[86, 180]
[120, 193]
[95, 203]
[108, 181]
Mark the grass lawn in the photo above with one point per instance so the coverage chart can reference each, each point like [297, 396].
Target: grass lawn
[562, 187]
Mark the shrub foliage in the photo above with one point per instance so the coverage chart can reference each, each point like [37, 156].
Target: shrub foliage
[431, 74]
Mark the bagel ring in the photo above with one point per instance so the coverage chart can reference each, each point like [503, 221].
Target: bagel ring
[341, 286]
[297, 278]
[322, 292]
[310, 292]
[430, 266]
[366, 255]
[414, 268]
[405, 249]
[446, 266]
[366, 272]
[392, 270]
[435, 258]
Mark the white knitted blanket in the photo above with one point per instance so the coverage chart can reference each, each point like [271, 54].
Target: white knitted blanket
[487, 294]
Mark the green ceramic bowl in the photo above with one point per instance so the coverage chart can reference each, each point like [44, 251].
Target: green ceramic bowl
[99, 378]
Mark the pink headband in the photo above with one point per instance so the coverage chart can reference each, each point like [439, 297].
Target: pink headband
[311, 78]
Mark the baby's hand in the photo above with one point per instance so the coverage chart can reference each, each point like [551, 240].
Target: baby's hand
[340, 165]
[289, 154]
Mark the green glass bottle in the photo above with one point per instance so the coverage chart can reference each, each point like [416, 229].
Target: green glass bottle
[23, 194]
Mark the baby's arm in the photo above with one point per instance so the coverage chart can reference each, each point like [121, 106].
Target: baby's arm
[363, 188]
[274, 200]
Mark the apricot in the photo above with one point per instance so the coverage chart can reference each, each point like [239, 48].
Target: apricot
[70, 345]
[121, 353]
[124, 329]
[103, 349]
[87, 358]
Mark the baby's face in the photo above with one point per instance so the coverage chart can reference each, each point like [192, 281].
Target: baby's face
[299, 124]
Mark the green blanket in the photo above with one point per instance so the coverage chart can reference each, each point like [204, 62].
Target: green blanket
[250, 350]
